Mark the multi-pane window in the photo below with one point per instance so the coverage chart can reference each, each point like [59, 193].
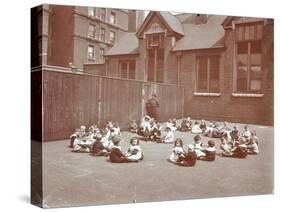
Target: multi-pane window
[102, 34]
[208, 71]
[128, 69]
[155, 40]
[112, 18]
[92, 11]
[112, 37]
[103, 14]
[91, 52]
[248, 56]
[102, 54]
[92, 31]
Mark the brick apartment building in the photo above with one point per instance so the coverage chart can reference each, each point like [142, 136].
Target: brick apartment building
[225, 63]
[80, 35]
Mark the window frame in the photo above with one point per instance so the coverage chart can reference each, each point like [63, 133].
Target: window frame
[249, 42]
[127, 62]
[208, 89]
[94, 35]
[114, 19]
[102, 35]
[93, 57]
[103, 14]
[93, 10]
[102, 54]
[114, 37]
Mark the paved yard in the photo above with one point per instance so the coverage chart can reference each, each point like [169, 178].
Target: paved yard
[73, 179]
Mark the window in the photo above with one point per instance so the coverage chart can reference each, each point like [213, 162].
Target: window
[92, 11]
[92, 31]
[102, 34]
[208, 73]
[112, 37]
[248, 58]
[102, 54]
[112, 18]
[128, 69]
[103, 14]
[155, 40]
[91, 52]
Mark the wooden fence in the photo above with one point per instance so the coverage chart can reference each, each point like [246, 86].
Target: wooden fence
[73, 99]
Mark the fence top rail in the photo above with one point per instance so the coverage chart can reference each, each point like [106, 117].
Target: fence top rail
[65, 70]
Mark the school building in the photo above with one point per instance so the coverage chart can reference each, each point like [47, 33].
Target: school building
[204, 66]
[224, 63]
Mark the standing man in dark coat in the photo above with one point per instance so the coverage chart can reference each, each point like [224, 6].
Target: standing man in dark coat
[152, 106]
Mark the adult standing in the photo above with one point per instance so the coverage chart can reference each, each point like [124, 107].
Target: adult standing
[152, 106]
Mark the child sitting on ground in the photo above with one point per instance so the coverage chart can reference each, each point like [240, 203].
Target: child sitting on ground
[184, 126]
[225, 147]
[82, 144]
[115, 130]
[238, 151]
[246, 134]
[177, 151]
[235, 135]
[155, 134]
[198, 146]
[171, 123]
[116, 155]
[203, 126]
[134, 153]
[252, 145]
[94, 131]
[98, 149]
[210, 152]
[196, 128]
[74, 136]
[209, 130]
[221, 131]
[188, 159]
[145, 127]
[169, 136]
[133, 128]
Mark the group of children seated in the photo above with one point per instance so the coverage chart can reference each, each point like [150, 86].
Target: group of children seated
[106, 142]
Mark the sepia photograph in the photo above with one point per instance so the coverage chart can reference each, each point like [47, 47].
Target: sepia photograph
[133, 106]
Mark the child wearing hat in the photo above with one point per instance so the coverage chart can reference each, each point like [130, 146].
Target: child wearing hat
[134, 153]
[177, 151]
[145, 127]
[188, 159]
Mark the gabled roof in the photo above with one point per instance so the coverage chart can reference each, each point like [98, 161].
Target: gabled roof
[239, 20]
[169, 20]
[173, 22]
[202, 36]
[127, 44]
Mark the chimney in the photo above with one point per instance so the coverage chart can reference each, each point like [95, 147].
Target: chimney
[196, 19]
[201, 19]
[135, 19]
